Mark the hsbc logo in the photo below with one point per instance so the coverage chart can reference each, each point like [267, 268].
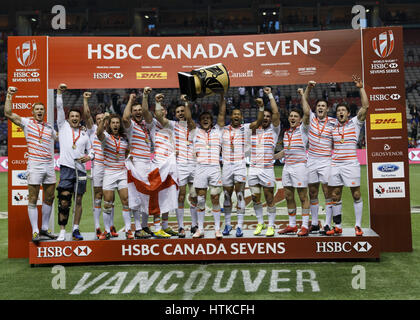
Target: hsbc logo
[362, 246]
[383, 45]
[384, 97]
[338, 247]
[26, 54]
[67, 251]
[21, 106]
[107, 75]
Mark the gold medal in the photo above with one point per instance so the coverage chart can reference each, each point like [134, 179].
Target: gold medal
[40, 141]
[188, 143]
[74, 146]
[288, 147]
[342, 141]
[147, 141]
[207, 147]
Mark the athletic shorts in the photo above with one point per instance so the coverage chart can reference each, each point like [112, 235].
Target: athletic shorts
[295, 175]
[98, 174]
[319, 171]
[207, 175]
[186, 173]
[41, 173]
[68, 179]
[114, 179]
[233, 173]
[347, 175]
[261, 176]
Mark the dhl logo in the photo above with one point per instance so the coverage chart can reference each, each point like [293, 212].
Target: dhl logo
[383, 121]
[151, 75]
[17, 132]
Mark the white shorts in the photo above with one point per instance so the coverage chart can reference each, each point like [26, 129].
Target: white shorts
[206, 176]
[319, 171]
[41, 173]
[261, 176]
[345, 175]
[295, 175]
[98, 175]
[186, 173]
[115, 180]
[233, 173]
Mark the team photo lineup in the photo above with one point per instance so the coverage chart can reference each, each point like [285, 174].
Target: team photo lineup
[208, 157]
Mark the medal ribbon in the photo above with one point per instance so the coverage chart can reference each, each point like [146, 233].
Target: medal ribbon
[40, 132]
[75, 140]
[289, 137]
[323, 127]
[117, 146]
[342, 134]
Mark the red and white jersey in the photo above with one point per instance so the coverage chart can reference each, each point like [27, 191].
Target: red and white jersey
[294, 142]
[164, 143]
[114, 150]
[263, 143]
[234, 144]
[96, 145]
[345, 137]
[38, 137]
[207, 145]
[140, 139]
[320, 138]
[184, 142]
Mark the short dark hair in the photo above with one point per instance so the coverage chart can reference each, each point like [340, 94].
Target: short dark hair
[204, 113]
[297, 110]
[236, 108]
[321, 100]
[74, 109]
[343, 104]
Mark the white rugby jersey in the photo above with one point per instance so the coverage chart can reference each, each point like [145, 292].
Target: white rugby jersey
[294, 142]
[345, 137]
[184, 142]
[263, 143]
[39, 136]
[140, 139]
[96, 145]
[114, 150]
[207, 145]
[320, 138]
[234, 144]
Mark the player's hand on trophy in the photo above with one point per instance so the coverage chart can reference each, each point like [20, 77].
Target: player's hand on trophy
[87, 95]
[159, 97]
[62, 87]
[106, 115]
[147, 91]
[267, 90]
[11, 90]
[259, 102]
[184, 98]
[357, 81]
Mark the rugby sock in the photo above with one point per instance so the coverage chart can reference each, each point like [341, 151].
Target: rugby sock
[216, 217]
[46, 214]
[156, 222]
[328, 211]
[241, 214]
[358, 211]
[292, 217]
[193, 213]
[258, 208]
[241, 209]
[107, 219]
[200, 218]
[112, 215]
[271, 216]
[314, 211]
[165, 220]
[97, 212]
[33, 217]
[228, 215]
[336, 209]
[75, 227]
[137, 219]
[127, 218]
[305, 218]
[180, 216]
[144, 219]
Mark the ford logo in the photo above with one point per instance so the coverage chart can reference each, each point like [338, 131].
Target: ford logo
[388, 168]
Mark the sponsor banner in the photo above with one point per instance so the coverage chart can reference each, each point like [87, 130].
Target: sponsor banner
[208, 249]
[383, 190]
[386, 136]
[251, 60]
[20, 197]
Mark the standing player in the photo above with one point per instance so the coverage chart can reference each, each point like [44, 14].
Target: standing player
[115, 148]
[261, 171]
[97, 165]
[138, 122]
[208, 173]
[319, 156]
[345, 169]
[184, 130]
[39, 137]
[295, 175]
[74, 143]
[234, 165]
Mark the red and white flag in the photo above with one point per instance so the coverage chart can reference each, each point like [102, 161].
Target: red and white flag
[159, 193]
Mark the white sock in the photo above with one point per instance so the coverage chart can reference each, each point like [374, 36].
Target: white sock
[75, 227]
[137, 219]
[216, 217]
[305, 217]
[328, 212]
[358, 211]
[97, 212]
[271, 216]
[127, 219]
[241, 215]
[336, 209]
[156, 222]
[200, 219]
[180, 217]
[46, 214]
[258, 208]
[292, 217]
[107, 219]
[314, 211]
[194, 219]
[33, 218]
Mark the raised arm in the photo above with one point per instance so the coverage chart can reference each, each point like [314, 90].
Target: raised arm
[15, 118]
[147, 115]
[187, 113]
[260, 116]
[275, 118]
[101, 127]
[87, 117]
[159, 111]
[61, 117]
[304, 99]
[222, 111]
[126, 118]
[361, 115]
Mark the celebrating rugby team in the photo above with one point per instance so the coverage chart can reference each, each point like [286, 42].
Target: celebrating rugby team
[318, 151]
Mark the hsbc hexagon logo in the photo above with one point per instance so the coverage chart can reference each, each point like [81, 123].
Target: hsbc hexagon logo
[26, 54]
[362, 246]
[383, 45]
[118, 75]
[82, 251]
[395, 96]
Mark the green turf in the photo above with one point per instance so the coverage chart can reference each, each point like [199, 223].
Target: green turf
[395, 277]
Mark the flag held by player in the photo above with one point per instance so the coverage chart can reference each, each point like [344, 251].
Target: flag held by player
[159, 193]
